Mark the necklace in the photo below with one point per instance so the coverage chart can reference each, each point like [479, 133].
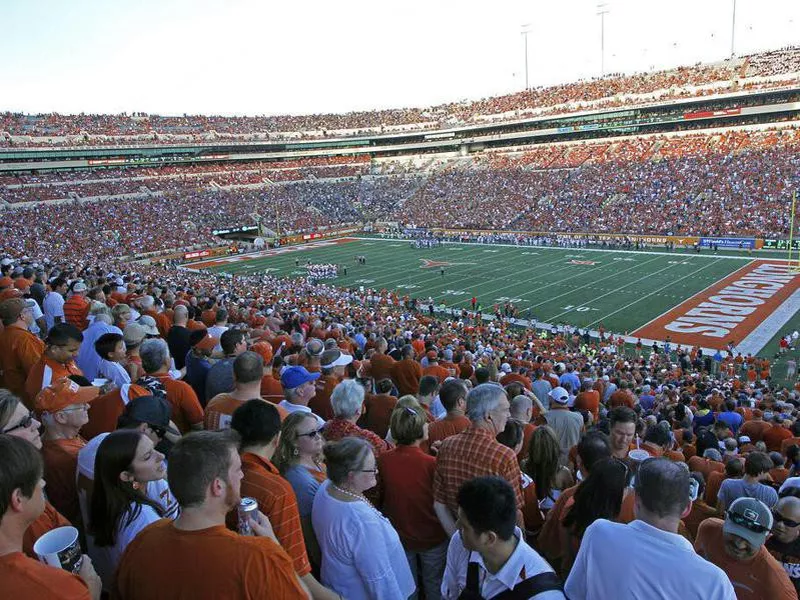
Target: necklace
[356, 496]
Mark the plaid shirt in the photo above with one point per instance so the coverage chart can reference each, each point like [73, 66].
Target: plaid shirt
[473, 453]
[337, 428]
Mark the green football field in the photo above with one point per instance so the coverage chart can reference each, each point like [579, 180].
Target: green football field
[621, 289]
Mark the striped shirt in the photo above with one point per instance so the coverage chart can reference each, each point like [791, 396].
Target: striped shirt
[277, 501]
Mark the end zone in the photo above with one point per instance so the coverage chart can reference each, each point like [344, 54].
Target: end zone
[732, 309]
[240, 258]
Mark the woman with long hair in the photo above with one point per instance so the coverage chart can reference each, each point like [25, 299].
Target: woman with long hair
[599, 496]
[299, 459]
[126, 462]
[543, 478]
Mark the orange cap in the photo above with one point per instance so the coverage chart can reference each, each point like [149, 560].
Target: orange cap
[62, 394]
[6, 282]
[265, 350]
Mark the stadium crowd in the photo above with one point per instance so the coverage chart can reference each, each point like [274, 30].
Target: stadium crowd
[607, 92]
[390, 452]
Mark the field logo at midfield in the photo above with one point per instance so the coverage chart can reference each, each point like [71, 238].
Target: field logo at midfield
[433, 264]
[730, 309]
[582, 262]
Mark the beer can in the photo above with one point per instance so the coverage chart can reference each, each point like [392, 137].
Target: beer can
[247, 510]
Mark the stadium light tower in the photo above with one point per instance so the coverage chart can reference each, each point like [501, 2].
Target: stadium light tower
[602, 11]
[526, 29]
[733, 29]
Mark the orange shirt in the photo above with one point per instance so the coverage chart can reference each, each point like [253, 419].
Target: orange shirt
[436, 371]
[20, 350]
[76, 308]
[104, 411]
[775, 436]
[446, 427]
[22, 577]
[758, 578]
[60, 464]
[713, 483]
[186, 409]
[277, 501]
[755, 430]
[220, 410]
[705, 466]
[49, 519]
[45, 372]
[214, 563]
[381, 366]
[271, 388]
[552, 539]
[320, 404]
[378, 412]
[699, 513]
[406, 374]
[589, 401]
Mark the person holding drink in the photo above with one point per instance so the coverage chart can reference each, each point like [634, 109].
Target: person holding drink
[205, 474]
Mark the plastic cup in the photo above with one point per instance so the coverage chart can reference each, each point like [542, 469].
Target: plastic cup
[60, 548]
[638, 456]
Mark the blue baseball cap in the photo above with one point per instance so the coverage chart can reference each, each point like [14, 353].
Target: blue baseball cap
[296, 376]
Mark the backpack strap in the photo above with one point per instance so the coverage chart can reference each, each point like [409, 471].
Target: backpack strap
[527, 588]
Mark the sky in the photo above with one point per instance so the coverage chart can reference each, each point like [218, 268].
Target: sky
[261, 57]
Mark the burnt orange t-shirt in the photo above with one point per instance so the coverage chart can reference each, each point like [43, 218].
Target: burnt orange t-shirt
[214, 563]
[759, 578]
[23, 577]
[220, 409]
[20, 350]
[60, 463]
[48, 520]
[186, 408]
[444, 428]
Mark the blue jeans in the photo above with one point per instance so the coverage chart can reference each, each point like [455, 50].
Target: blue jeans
[431, 563]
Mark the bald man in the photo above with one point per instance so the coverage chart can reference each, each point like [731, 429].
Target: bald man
[784, 544]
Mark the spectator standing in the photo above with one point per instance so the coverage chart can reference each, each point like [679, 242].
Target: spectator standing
[205, 475]
[784, 543]
[22, 502]
[125, 463]
[76, 307]
[362, 557]
[178, 338]
[258, 423]
[622, 421]
[298, 389]
[64, 410]
[88, 360]
[476, 452]
[406, 491]
[248, 369]
[407, 372]
[53, 306]
[220, 376]
[187, 413]
[197, 363]
[20, 350]
[737, 547]
[488, 556]
[756, 468]
[662, 498]
[348, 401]
[453, 395]
[299, 458]
[566, 424]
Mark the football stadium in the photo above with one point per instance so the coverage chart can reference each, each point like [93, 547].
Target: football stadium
[474, 348]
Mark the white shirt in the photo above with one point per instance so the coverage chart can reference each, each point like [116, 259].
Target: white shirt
[53, 307]
[217, 331]
[523, 563]
[114, 372]
[290, 408]
[362, 554]
[638, 560]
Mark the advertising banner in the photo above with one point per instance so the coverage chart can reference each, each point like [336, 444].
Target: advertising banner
[726, 242]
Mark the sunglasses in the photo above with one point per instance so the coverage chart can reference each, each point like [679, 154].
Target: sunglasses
[746, 523]
[24, 424]
[779, 518]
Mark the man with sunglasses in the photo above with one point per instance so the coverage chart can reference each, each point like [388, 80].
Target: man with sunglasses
[737, 547]
[784, 544]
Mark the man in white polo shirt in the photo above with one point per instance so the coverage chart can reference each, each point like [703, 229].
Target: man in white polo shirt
[298, 389]
[647, 558]
[487, 555]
